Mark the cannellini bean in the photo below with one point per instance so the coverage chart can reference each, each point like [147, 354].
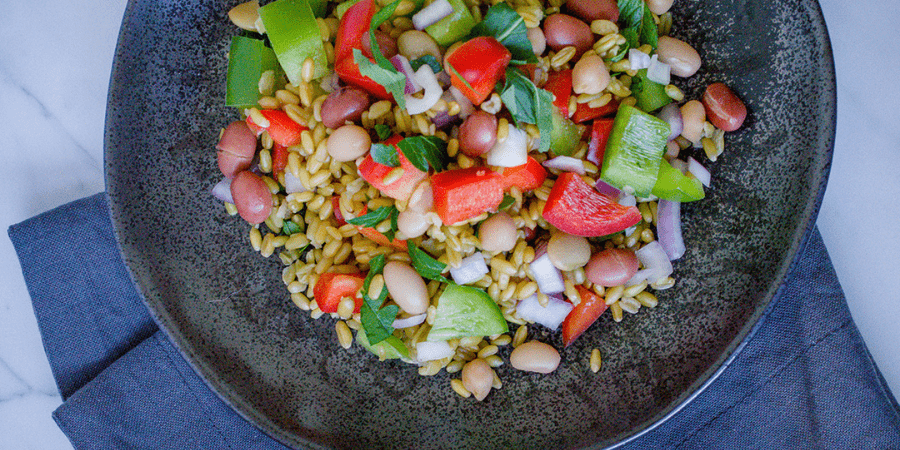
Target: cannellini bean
[251, 197]
[679, 55]
[245, 15]
[692, 117]
[342, 105]
[659, 7]
[478, 378]
[590, 75]
[611, 267]
[562, 30]
[478, 134]
[723, 109]
[412, 223]
[498, 233]
[567, 251]
[406, 287]
[414, 44]
[538, 41]
[348, 143]
[591, 10]
[534, 356]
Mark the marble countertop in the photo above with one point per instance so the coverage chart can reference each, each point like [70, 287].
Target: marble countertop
[54, 72]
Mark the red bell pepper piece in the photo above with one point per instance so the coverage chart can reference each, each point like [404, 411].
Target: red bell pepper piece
[279, 158]
[348, 71]
[400, 189]
[332, 287]
[599, 136]
[560, 85]
[354, 25]
[576, 208]
[462, 194]
[583, 315]
[283, 130]
[480, 62]
[583, 112]
[527, 177]
[336, 209]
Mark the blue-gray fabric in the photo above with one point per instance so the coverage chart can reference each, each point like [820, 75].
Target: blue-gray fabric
[804, 380]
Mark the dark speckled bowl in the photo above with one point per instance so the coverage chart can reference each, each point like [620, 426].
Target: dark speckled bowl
[226, 309]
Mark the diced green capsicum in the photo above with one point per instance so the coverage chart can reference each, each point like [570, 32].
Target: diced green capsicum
[566, 135]
[248, 58]
[634, 150]
[342, 8]
[650, 95]
[453, 27]
[675, 186]
[294, 33]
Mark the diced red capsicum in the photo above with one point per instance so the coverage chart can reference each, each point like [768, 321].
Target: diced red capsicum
[477, 65]
[527, 177]
[583, 112]
[354, 25]
[279, 158]
[336, 209]
[399, 189]
[348, 71]
[369, 232]
[583, 315]
[560, 85]
[576, 208]
[283, 130]
[462, 194]
[599, 136]
[332, 287]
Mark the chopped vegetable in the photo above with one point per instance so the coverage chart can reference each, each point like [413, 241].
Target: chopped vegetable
[248, 59]
[560, 85]
[507, 26]
[462, 194]
[576, 208]
[400, 188]
[527, 177]
[600, 132]
[453, 27]
[292, 28]
[389, 348]
[565, 135]
[332, 287]
[675, 186]
[583, 315]
[650, 95]
[635, 148]
[476, 66]
[527, 103]
[465, 311]
[282, 129]
[583, 112]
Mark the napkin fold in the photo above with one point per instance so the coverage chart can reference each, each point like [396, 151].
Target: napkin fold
[804, 380]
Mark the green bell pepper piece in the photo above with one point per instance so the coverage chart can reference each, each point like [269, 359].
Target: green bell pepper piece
[248, 58]
[318, 7]
[342, 8]
[675, 186]
[453, 27]
[650, 95]
[634, 151]
[294, 33]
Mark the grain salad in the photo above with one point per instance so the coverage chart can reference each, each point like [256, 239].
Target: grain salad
[439, 178]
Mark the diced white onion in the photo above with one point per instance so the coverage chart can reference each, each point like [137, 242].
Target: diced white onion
[658, 72]
[548, 277]
[702, 173]
[410, 321]
[668, 229]
[511, 151]
[222, 190]
[671, 114]
[637, 59]
[470, 270]
[566, 164]
[425, 77]
[551, 317]
[430, 351]
[292, 184]
[431, 14]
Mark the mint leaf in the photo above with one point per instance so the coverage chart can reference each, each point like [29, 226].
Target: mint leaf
[376, 265]
[527, 103]
[389, 234]
[507, 26]
[383, 131]
[508, 201]
[426, 59]
[427, 266]
[425, 151]
[639, 26]
[393, 81]
[385, 154]
[376, 321]
[289, 227]
[373, 218]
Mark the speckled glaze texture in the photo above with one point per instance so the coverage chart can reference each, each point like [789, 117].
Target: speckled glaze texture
[225, 306]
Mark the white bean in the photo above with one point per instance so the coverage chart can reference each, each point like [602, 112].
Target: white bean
[590, 75]
[478, 378]
[567, 251]
[534, 356]
[679, 55]
[412, 223]
[498, 233]
[693, 115]
[348, 143]
[406, 287]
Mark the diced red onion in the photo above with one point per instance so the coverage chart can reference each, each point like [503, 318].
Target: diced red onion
[680, 165]
[668, 229]
[431, 14]
[639, 277]
[658, 71]
[702, 173]
[671, 114]
[465, 105]
[654, 258]
[402, 64]
[425, 77]
[442, 120]
[551, 317]
[607, 189]
[566, 164]
[410, 321]
[430, 351]
[637, 59]
[292, 184]
[222, 191]
[548, 277]
[510, 152]
[470, 270]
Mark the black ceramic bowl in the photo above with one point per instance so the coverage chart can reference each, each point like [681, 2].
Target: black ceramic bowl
[225, 307]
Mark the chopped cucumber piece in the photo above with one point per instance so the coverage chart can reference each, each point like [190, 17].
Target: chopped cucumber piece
[634, 150]
[466, 311]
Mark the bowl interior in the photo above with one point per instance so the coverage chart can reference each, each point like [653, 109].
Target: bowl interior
[226, 308]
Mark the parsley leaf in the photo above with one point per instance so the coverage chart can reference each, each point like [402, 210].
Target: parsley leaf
[373, 218]
[289, 227]
[527, 103]
[393, 81]
[425, 151]
[427, 266]
[383, 131]
[426, 59]
[508, 201]
[377, 321]
[395, 214]
[507, 26]
[385, 154]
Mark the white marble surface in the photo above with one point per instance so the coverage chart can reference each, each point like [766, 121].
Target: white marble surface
[55, 60]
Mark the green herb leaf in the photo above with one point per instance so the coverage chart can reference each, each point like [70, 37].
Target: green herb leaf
[639, 26]
[289, 227]
[385, 154]
[527, 103]
[393, 81]
[376, 321]
[425, 151]
[427, 266]
[395, 213]
[508, 201]
[376, 265]
[373, 218]
[426, 59]
[507, 26]
[383, 131]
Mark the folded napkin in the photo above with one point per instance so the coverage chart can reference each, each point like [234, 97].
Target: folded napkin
[804, 380]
